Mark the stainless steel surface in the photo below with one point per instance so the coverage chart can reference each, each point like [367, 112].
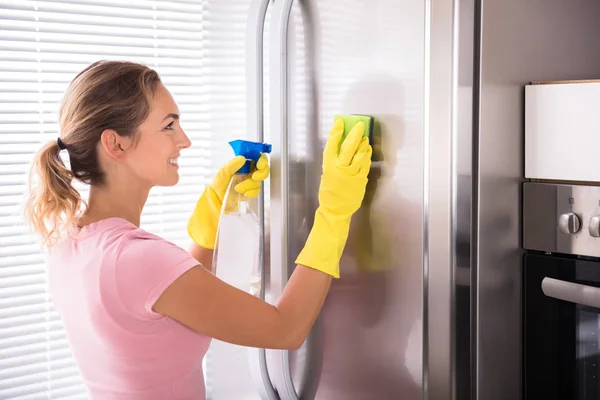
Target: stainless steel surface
[279, 202]
[383, 266]
[437, 218]
[299, 177]
[521, 41]
[432, 311]
[448, 183]
[572, 292]
[429, 303]
[594, 228]
[308, 360]
[464, 193]
[372, 320]
[549, 212]
[255, 114]
[280, 154]
[569, 223]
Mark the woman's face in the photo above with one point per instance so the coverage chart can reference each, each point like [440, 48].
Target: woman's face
[158, 143]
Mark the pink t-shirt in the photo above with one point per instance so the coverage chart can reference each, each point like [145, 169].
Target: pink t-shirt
[104, 280]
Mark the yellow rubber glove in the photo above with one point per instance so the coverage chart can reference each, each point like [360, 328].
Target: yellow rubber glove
[204, 222]
[341, 192]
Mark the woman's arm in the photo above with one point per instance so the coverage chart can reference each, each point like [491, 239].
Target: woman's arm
[204, 303]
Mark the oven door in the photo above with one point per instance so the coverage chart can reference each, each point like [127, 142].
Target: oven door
[562, 328]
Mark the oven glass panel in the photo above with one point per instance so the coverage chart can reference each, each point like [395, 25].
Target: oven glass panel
[562, 338]
[588, 333]
[588, 359]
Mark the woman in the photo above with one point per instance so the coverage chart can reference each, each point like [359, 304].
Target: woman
[138, 310]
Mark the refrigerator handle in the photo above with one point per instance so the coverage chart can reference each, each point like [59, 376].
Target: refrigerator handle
[279, 206]
[571, 292]
[279, 209]
[255, 115]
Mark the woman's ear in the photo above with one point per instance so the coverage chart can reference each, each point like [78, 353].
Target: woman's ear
[114, 144]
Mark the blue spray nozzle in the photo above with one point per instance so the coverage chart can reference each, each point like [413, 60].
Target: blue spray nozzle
[250, 150]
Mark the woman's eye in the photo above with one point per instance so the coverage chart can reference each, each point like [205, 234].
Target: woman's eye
[170, 126]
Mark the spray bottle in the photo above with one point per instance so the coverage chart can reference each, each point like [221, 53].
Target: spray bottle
[238, 236]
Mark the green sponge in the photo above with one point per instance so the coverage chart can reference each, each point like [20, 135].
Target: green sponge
[351, 120]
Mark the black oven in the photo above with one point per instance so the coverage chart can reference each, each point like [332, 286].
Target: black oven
[561, 236]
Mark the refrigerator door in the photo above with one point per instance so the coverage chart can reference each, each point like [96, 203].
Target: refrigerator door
[364, 58]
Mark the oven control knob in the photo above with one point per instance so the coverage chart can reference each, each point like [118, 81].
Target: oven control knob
[569, 223]
[595, 226]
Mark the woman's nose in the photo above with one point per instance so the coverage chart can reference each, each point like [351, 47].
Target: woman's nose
[184, 141]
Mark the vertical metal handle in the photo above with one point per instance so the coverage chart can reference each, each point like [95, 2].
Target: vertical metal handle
[280, 153]
[279, 179]
[255, 115]
[280, 103]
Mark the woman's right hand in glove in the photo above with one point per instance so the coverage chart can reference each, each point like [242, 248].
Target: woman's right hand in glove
[341, 193]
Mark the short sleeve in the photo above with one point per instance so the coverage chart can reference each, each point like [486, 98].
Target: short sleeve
[145, 267]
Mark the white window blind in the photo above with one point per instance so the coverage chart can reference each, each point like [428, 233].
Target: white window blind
[43, 44]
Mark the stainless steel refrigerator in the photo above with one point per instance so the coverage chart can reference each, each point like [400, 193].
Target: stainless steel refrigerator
[429, 302]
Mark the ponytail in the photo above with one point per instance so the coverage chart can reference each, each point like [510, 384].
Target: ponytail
[53, 203]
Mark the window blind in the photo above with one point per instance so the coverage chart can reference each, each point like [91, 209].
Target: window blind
[43, 45]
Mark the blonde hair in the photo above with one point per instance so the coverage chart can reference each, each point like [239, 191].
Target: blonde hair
[105, 95]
